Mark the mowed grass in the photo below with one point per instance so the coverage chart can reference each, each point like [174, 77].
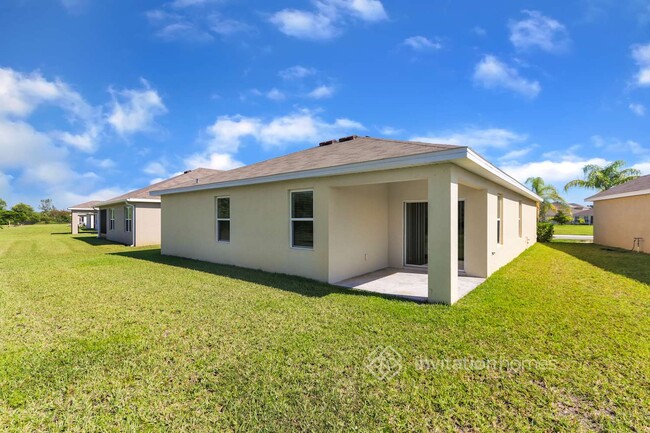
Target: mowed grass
[100, 337]
[571, 229]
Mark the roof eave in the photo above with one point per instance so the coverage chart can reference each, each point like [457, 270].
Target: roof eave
[449, 155]
[620, 195]
[127, 200]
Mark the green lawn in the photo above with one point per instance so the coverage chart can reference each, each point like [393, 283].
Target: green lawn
[100, 337]
[574, 230]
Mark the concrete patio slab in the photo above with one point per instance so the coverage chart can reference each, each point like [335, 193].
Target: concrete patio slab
[404, 283]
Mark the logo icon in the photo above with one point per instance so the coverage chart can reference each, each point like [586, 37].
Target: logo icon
[384, 362]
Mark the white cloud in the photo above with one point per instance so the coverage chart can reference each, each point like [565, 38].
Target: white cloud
[329, 17]
[174, 26]
[214, 160]
[135, 110]
[389, 130]
[304, 24]
[192, 25]
[105, 163]
[638, 109]
[367, 10]
[296, 72]
[491, 73]
[421, 43]
[515, 155]
[322, 92]
[644, 167]
[21, 94]
[188, 3]
[551, 171]
[641, 54]
[226, 134]
[275, 95]
[226, 26]
[23, 146]
[479, 31]
[539, 31]
[155, 168]
[5, 185]
[479, 139]
[617, 146]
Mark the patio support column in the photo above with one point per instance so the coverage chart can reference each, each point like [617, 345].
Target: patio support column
[443, 235]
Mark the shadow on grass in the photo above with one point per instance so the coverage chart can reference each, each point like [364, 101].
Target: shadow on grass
[289, 283]
[95, 241]
[623, 262]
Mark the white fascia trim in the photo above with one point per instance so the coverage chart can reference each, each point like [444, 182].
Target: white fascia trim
[82, 208]
[621, 195]
[382, 164]
[128, 200]
[483, 163]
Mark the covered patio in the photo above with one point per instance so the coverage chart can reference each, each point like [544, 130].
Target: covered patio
[407, 283]
[423, 238]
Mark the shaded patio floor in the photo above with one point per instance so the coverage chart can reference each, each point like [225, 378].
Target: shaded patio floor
[404, 283]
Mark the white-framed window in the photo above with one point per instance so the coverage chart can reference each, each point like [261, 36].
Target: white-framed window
[500, 219]
[302, 219]
[223, 219]
[521, 219]
[111, 219]
[128, 218]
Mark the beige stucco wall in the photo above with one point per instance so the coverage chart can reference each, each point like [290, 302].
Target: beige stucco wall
[74, 221]
[358, 235]
[259, 228]
[618, 221]
[147, 224]
[358, 224]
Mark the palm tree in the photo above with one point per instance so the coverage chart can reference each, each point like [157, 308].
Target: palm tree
[547, 192]
[602, 178]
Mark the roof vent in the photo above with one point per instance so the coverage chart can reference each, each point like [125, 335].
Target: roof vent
[348, 138]
[327, 143]
[186, 171]
[197, 180]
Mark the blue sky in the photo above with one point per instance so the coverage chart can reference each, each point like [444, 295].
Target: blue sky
[97, 98]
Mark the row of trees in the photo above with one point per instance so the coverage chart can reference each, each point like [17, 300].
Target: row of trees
[22, 213]
[595, 177]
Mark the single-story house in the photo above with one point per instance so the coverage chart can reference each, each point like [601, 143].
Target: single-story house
[586, 214]
[134, 218]
[356, 205]
[572, 210]
[622, 215]
[82, 214]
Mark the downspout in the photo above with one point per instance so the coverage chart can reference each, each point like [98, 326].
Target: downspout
[132, 224]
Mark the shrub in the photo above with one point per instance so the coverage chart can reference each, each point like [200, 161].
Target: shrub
[544, 232]
[561, 218]
[581, 220]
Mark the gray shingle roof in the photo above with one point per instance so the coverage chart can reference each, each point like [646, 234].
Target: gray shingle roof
[85, 205]
[189, 177]
[641, 183]
[360, 149]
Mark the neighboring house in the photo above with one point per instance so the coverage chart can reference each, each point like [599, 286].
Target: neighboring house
[622, 215]
[573, 210]
[586, 214]
[82, 214]
[134, 218]
[353, 206]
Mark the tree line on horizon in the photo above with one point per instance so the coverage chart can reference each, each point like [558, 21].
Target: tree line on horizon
[595, 177]
[22, 213]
